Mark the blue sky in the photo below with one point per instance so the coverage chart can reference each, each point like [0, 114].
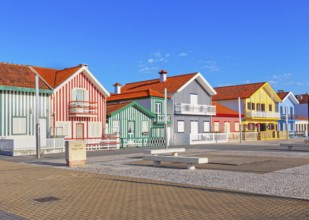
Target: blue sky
[228, 41]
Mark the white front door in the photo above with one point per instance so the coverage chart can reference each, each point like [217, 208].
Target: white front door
[43, 132]
[194, 127]
[79, 130]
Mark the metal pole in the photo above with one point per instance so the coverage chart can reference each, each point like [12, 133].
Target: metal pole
[308, 115]
[240, 121]
[37, 117]
[165, 117]
[287, 122]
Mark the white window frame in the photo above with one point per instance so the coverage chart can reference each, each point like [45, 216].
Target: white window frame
[19, 126]
[236, 126]
[216, 126]
[158, 108]
[180, 126]
[116, 127]
[145, 126]
[206, 126]
[193, 99]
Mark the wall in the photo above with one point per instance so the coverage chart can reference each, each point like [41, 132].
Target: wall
[222, 120]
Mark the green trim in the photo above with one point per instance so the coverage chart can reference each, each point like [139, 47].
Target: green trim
[138, 107]
[22, 89]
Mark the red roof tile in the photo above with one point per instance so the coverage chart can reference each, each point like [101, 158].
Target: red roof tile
[18, 76]
[233, 92]
[172, 84]
[110, 108]
[134, 95]
[282, 94]
[223, 111]
[302, 98]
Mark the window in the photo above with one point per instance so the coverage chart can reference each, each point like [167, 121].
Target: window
[270, 108]
[79, 94]
[236, 126]
[216, 127]
[145, 127]
[116, 126]
[271, 126]
[19, 126]
[193, 99]
[251, 106]
[180, 126]
[158, 108]
[251, 126]
[291, 111]
[281, 110]
[263, 107]
[206, 126]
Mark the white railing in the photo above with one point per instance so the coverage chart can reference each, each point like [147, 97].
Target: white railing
[160, 118]
[246, 136]
[260, 114]
[183, 108]
[83, 108]
[208, 138]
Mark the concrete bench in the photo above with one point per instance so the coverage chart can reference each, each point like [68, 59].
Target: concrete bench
[173, 151]
[190, 161]
[290, 145]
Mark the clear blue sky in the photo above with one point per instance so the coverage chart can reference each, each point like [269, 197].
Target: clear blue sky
[228, 41]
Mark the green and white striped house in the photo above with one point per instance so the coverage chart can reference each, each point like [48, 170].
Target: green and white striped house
[132, 121]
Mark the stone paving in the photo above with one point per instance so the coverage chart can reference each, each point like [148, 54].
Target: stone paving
[84, 195]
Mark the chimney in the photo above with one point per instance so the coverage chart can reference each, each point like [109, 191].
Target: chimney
[117, 88]
[163, 75]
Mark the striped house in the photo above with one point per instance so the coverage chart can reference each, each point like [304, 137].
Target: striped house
[77, 104]
[72, 103]
[134, 124]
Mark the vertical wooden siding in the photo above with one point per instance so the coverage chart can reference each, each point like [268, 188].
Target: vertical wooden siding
[20, 104]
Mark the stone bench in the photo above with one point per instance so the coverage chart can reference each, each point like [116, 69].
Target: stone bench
[173, 151]
[190, 161]
[291, 145]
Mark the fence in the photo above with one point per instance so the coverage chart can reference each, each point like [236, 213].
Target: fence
[268, 135]
[142, 142]
[208, 138]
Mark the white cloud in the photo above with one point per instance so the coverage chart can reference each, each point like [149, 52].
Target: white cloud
[153, 62]
[210, 66]
[182, 54]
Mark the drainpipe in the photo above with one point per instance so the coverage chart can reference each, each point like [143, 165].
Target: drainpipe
[37, 117]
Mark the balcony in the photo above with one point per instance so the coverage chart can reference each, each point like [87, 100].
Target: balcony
[260, 114]
[83, 109]
[160, 119]
[189, 109]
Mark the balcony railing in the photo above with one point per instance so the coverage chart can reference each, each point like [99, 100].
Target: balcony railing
[83, 109]
[190, 109]
[260, 114]
[160, 119]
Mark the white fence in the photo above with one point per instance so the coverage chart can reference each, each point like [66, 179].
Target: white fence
[246, 136]
[208, 138]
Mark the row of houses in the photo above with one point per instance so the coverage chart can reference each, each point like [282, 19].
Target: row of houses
[181, 109]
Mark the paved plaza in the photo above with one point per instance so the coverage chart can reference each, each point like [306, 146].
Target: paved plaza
[241, 182]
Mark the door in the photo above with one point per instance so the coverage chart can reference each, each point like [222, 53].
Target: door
[194, 127]
[131, 129]
[43, 132]
[193, 99]
[79, 130]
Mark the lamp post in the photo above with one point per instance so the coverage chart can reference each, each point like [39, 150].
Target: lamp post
[307, 115]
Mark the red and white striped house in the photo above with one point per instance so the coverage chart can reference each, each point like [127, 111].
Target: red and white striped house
[77, 104]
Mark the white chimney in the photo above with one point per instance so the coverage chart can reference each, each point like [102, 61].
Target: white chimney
[117, 88]
[163, 75]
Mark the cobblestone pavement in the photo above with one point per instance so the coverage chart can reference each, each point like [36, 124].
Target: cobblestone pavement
[69, 194]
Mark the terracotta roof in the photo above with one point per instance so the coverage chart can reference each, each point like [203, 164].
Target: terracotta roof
[223, 111]
[134, 95]
[110, 108]
[302, 98]
[55, 77]
[282, 94]
[172, 84]
[233, 92]
[18, 76]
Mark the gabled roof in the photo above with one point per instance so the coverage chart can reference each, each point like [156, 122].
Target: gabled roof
[172, 84]
[135, 95]
[14, 75]
[24, 76]
[223, 111]
[284, 95]
[112, 109]
[233, 92]
[302, 98]
[243, 91]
